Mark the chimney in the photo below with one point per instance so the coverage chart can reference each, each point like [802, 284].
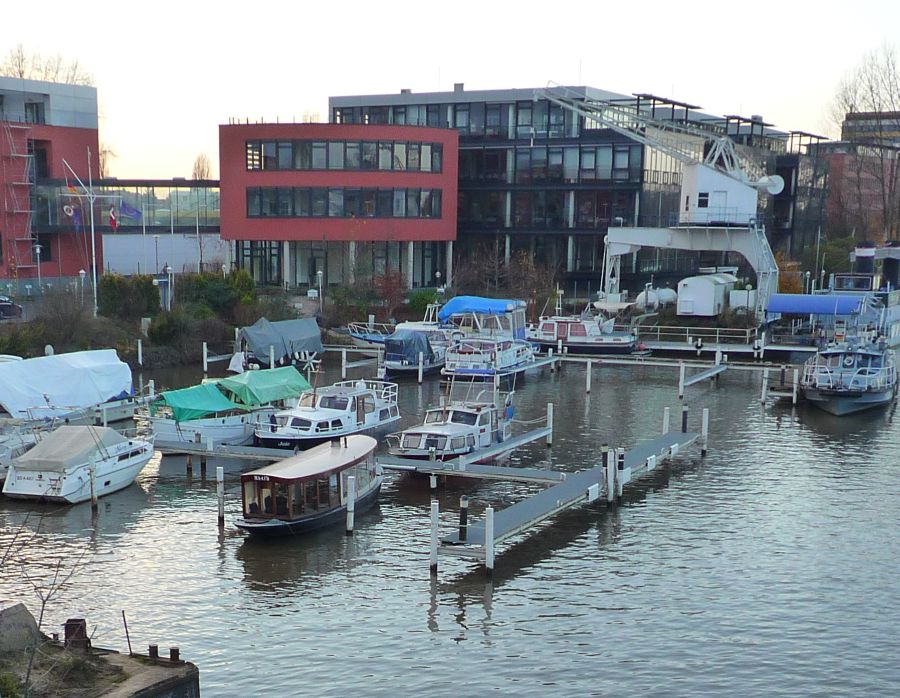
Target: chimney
[405, 91]
[458, 86]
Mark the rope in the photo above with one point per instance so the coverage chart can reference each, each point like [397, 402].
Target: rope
[529, 421]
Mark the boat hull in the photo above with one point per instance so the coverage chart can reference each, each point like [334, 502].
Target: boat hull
[840, 403]
[232, 431]
[76, 487]
[589, 348]
[332, 517]
[304, 442]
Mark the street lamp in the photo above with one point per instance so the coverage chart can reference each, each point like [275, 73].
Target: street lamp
[156, 244]
[170, 286]
[82, 273]
[319, 274]
[224, 270]
[808, 285]
[37, 254]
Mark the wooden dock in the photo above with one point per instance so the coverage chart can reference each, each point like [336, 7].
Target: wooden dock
[254, 453]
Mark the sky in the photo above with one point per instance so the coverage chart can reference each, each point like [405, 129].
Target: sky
[168, 73]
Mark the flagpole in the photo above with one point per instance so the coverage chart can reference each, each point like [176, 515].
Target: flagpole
[144, 233]
[92, 198]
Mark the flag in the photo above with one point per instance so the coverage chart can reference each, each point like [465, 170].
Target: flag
[113, 223]
[129, 211]
[70, 187]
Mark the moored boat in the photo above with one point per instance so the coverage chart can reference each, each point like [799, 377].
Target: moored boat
[403, 348]
[72, 462]
[310, 490]
[582, 335]
[850, 376]
[480, 358]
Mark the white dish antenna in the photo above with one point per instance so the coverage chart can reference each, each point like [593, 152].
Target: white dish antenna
[770, 184]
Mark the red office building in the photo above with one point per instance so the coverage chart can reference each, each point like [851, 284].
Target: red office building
[344, 200]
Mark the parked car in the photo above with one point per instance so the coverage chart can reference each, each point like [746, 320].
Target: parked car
[8, 308]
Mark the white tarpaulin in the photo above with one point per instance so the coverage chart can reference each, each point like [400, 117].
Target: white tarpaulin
[49, 386]
[68, 447]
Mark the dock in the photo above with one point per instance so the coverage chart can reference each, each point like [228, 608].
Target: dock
[253, 453]
[605, 482]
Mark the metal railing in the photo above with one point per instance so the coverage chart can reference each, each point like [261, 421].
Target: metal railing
[865, 378]
[717, 335]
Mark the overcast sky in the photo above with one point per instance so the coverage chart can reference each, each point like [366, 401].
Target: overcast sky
[168, 73]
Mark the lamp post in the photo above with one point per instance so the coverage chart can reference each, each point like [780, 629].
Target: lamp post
[170, 286]
[82, 273]
[808, 285]
[224, 270]
[37, 254]
[319, 274]
[156, 245]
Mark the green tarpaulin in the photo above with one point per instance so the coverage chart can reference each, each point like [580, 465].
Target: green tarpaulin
[196, 402]
[254, 388]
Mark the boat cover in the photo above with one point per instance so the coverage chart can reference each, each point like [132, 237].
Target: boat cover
[406, 344]
[63, 383]
[816, 304]
[287, 336]
[477, 304]
[196, 402]
[68, 447]
[254, 388]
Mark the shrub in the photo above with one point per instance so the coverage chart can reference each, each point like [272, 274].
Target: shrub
[420, 300]
[206, 289]
[167, 326]
[243, 286]
[129, 297]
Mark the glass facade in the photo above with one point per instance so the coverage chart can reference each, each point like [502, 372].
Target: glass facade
[344, 155]
[336, 202]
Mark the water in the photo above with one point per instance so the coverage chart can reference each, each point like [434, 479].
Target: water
[768, 568]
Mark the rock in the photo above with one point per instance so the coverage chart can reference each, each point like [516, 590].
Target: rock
[18, 629]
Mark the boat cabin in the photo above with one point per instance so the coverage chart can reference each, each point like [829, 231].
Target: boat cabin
[340, 407]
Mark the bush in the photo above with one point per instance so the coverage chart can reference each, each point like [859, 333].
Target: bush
[207, 289]
[243, 286]
[129, 297]
[167, 326]
[420, 300]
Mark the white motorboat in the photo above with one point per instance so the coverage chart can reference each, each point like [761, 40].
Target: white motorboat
[347, 407]
[72, 462]
[480, 358]
[12, 445]
[403, 349]
[310, 490]
[850, 376]
[459, 428]
[581, 335]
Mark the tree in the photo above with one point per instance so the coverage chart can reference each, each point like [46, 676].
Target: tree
[106, 154]
[32, 66]
[391, 289]
[870, 198]
[201, 167]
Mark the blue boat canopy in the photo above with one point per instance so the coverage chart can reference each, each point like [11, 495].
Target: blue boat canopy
[406, 344]
[819, 304]
[477, 304]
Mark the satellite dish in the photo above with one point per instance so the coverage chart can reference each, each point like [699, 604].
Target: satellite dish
[770, 184]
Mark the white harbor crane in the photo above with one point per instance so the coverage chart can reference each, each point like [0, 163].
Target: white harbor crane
[719, 190]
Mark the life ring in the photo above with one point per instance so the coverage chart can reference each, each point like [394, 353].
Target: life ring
[848, 361]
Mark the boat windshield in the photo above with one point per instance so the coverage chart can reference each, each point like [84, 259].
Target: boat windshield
[468, 418]
[333, 402]
[307, 400]
[434, 416]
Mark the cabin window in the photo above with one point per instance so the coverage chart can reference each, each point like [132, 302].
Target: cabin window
[310, 498]
[434, 416]
[300, 423]
[307, 400]
[547, 328]
[435, 442]
[251, 505]
[463, 418]
[383, 414]
[333, 494]
[411, 440]
[458, 442]
[484, 419]
[281, 499]
[470, 439]
[296, 498]
[324, 490]
[369, 404]
[265, 496]
[321, 426]
[331, 402]
[576, 329]
[337, 424]
[395, 411]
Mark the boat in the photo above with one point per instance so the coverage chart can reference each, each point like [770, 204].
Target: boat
[458, 428]
[80, 386]
[226, 411]
[850, 376]
[12, 445]
[347, 407]
[373, 334]
[582, 335]
[267, 344]
[72, 462]
[481, 358]
[403, 348]
[310, 490]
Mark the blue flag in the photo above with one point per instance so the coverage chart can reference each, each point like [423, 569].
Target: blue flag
[129, 211]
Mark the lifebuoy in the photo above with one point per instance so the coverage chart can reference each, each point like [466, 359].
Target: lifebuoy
[848, 361]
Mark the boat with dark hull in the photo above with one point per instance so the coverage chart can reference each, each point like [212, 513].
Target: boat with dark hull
[851, 376]
[311, 490]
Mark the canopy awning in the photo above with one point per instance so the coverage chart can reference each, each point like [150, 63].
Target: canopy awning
[817, 304]
[253, 388]
[197, 402]
[407, 344]
[477, 304]
[68, 446]
[286, 336]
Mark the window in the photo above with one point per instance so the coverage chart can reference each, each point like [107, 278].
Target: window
[399, 156]
[269, 202]
[523, 120]
[269, 155]
[285, 206]
[399, 203]
[319, 202]
[351, 203]
[254, 202]
[385, 203]
[335, 155]
[285, 155]
[384, 156]
[523, 165]
[437, 152]
[412, 203]
[555, 165]
[412, 157]
[369, 155]
[319, 157]
[34, 112]
[425, 159]
[461, 117]
[302, 155]
[335, 203]
[351, 156]
[588, 164]
[254, 155]
[434, 115]
[367, 204]
[703, 199]
[604, 162]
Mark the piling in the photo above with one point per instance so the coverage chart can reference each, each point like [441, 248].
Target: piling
[783, 374]
[559, 346]
[220, 494]
[681, 374]
[704, 433]
[620, 473]
[587, 377]
[796, 386]
[103, 416]
[550, 356]
[271, 356]
[93, 473]
[421, 365]
[205, 359]
[666, 415]
[140, 351]
[343, 364]
[765, 386]
[432, 481]
[351, 503]
[189, 465]
[550, 423]
[609, 463]
[435, 512]
[463, 517]
[151, 389]
[489, 541]
[684, 419]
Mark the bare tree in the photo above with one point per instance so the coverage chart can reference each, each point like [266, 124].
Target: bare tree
[873, 167]
[201, 167]
[33, 66]
[106, 155]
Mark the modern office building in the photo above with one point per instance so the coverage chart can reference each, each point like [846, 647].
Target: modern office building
[343, 200]
[539, 177]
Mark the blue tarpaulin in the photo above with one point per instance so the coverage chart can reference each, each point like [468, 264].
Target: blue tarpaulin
[477, 304]
[818, 304]
[406, 344]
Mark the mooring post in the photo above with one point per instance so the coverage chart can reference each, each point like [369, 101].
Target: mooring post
[343, 364]
[432, 481]
[271, 356]
[190, 465]
[705, 432]
[93, 474]
[140, 350]
[550, 423]
[220, 494]
[202, 466]
[783, 372]
[205, 359]
[489, 541]
[550, 356]
[666, 414]
[610, 469]
[620, 473]
[587, 376]
[351, 503]
[796, 386]
[684, 418]
[463, 517]
[559, 347]
[765, 386]
[421, 365]
[103, 416]
[435, 512]
[681, 374]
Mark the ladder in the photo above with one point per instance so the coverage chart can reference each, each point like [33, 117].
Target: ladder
[16, 171]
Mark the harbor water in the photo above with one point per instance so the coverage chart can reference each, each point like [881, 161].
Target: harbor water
[767, 568]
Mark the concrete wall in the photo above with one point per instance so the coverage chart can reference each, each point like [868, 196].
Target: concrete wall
[126, 253]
